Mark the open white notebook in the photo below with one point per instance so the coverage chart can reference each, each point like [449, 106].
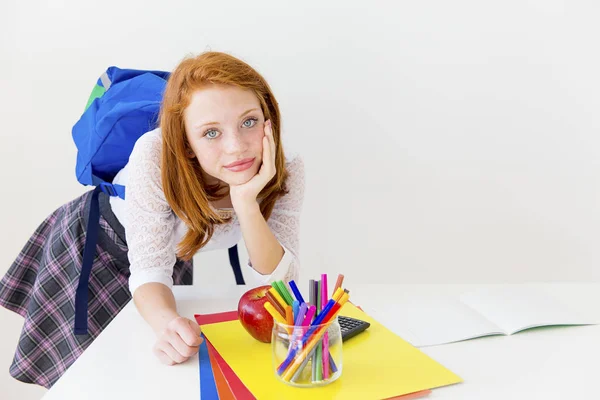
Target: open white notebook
[433, 320]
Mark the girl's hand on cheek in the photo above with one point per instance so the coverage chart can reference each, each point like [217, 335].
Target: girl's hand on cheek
[244, 195]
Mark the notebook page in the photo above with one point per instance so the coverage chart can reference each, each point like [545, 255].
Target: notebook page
[517, 307]
[426, 320]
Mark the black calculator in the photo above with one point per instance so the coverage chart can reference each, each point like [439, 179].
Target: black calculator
[351, 327]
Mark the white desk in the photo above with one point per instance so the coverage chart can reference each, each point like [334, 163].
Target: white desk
[552, 363]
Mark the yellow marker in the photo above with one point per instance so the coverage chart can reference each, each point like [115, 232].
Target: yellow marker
[277, 296]
[344, 298]
[337, 294]
[274, 313]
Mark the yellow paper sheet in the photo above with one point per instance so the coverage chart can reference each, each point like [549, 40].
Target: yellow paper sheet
[376, 364]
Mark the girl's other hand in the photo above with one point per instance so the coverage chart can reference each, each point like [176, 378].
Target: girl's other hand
[179, 341]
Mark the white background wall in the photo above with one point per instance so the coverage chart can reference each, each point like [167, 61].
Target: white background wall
[443, 141]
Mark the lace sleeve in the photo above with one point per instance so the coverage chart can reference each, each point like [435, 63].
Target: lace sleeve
[285, 225]
[149, 220]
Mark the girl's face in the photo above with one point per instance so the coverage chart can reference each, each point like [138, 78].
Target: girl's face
[224, 126]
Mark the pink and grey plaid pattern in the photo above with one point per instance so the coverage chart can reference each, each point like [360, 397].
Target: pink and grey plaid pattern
[41, 284]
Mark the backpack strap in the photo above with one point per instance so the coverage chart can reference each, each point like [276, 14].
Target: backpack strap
[89, 252]
[110, 189]
[234, 260]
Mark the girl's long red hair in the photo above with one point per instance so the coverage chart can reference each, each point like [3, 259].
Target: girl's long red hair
[184, 188]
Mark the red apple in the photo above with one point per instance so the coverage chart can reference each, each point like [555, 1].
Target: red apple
[253, 315]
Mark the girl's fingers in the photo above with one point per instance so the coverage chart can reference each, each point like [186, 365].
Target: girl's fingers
[181, 346]
[189, 331]
[272, 142]
[266, 152]
[269, 157]
[163, 357]
[170, 351]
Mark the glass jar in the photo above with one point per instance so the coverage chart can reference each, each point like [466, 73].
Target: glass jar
[308, 356]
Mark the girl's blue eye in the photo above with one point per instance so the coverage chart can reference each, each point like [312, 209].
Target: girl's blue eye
[211, 134]
[252, 121]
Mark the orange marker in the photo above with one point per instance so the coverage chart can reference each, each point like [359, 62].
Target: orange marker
[338, 283]
[289, 315]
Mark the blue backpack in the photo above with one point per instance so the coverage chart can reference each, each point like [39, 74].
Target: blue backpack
[124, 104]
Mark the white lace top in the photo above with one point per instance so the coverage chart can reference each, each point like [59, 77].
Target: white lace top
[153, 231]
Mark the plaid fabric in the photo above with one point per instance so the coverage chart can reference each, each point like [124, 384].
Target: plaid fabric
[41, 284]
